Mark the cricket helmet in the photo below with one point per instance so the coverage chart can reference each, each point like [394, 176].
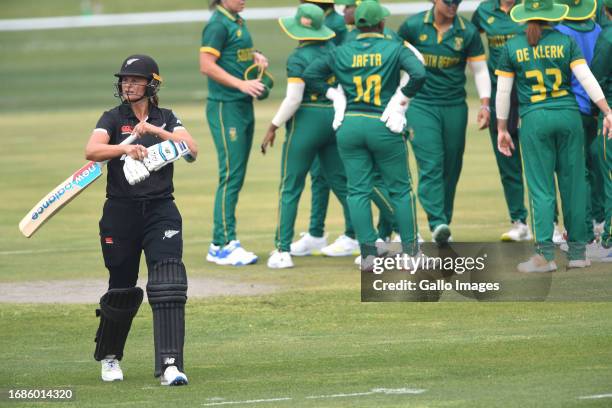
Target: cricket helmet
[141, 66]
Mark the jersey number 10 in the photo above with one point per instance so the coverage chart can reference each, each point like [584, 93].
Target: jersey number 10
[541, 88]
[373, 83]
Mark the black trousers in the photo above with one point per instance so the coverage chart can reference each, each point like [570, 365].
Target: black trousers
[128, 227]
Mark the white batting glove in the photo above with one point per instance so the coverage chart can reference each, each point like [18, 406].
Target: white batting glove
[394, 115]
[134, 170]
[336, 95]
[163, 153]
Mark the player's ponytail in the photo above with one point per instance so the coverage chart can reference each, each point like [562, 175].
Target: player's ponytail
[534, 32]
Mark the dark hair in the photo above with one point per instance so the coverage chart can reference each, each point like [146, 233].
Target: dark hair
[214, 3]
[534, 32]
[378, 28]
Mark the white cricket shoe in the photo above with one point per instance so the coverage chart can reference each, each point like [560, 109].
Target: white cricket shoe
[579, 263]
[558, 237]
[172, 376]
[308, 245]
[213, 253]
[519, 232]
[342, 246]
[598, 228]
[280, 260]
[441, 234]
[537, 263]
[596, 252]
[397, 238]
[111, 371]
[235, 255]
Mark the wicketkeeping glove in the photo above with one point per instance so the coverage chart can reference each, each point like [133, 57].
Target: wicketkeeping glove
[394, 115]
[163, 153]
[336, 95]
[134, 170]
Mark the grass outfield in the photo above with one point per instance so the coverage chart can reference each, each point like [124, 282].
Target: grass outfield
[312, 337]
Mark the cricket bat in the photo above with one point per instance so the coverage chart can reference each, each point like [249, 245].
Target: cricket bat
[61, 195]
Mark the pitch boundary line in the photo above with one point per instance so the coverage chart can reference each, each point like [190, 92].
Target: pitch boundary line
[596, 396]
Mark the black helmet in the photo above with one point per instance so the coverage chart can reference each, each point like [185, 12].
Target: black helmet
[140, 66]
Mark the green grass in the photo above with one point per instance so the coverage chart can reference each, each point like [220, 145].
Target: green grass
[312, 337]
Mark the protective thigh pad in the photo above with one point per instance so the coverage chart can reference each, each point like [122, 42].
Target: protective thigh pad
[167, 293]
[117, 310]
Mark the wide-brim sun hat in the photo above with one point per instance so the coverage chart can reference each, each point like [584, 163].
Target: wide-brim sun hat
[579, 9]
[545, 10]
[307, 24]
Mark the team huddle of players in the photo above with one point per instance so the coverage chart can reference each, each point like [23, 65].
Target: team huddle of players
[358, 92]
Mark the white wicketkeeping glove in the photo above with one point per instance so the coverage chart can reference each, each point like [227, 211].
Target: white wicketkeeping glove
[336, 95]
[163, 153]
[134, 170]
[394, 115]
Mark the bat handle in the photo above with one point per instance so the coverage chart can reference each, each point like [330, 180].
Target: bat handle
[129, 139]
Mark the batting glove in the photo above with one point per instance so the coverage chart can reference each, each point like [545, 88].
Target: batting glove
[336, 95]
[163, 153]
[394, 115]
[134, 170]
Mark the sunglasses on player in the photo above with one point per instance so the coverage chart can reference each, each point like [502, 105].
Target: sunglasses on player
[451, 2]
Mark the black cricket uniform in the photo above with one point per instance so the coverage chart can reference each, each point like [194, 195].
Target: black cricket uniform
[143, 216]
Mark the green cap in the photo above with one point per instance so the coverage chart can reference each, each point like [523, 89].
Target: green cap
[307, 24]
[255, 72]
[369, 13]
[545, 10]
[579, 9]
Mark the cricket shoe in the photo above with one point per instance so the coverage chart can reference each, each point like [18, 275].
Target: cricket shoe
[441, 234]
[381, 249]
[235, 255]
[579, 263]
[213, 253]
[519, 232]
[308, 245]
[280, 260]
[342, 246]
[111, 371]
[537, 263]
[598, 228]
[397, 238]
[172, 376]
[558, 237]
[596, 252]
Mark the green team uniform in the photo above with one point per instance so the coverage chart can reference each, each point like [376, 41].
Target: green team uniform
[498, 27]
[319, 186]
[309, 135]
[369, 71]
[230, 115]
[601, 65]
[600, 15]
[437, 116]
[552, 137]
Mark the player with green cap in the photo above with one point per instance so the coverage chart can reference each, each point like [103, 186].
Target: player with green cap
[368, 69]
[492, 17]
[437, 117]
[601, 65]
[309, 119]
[542, 62]
[349, 18]
[226, 54]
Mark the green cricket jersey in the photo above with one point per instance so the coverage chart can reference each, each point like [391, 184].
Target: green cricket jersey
[336, 22]
[227, 37]
[497, 25]
[353, 32]
[542, 73]
[368, 70]
[445, 56]
[300, 59]
[601, 65]
[600, 15]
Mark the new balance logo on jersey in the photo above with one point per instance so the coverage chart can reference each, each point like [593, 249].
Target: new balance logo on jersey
[170, 233]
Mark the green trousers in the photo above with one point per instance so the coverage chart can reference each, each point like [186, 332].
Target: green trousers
[232, 125]
[606, 144]
[553, 139]
[309, 136]
[511, 174]
[365, 144]
[595, 170]
[437, 134]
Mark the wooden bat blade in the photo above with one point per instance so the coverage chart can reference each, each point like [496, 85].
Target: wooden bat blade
[59, 197]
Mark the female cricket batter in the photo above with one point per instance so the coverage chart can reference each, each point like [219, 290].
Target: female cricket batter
[437, 117]
[542, 62]
[226, 54]
[368, 69]
[602, 69]
[309, 118]
[140, 214]
[579, 25]
[492, 17]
